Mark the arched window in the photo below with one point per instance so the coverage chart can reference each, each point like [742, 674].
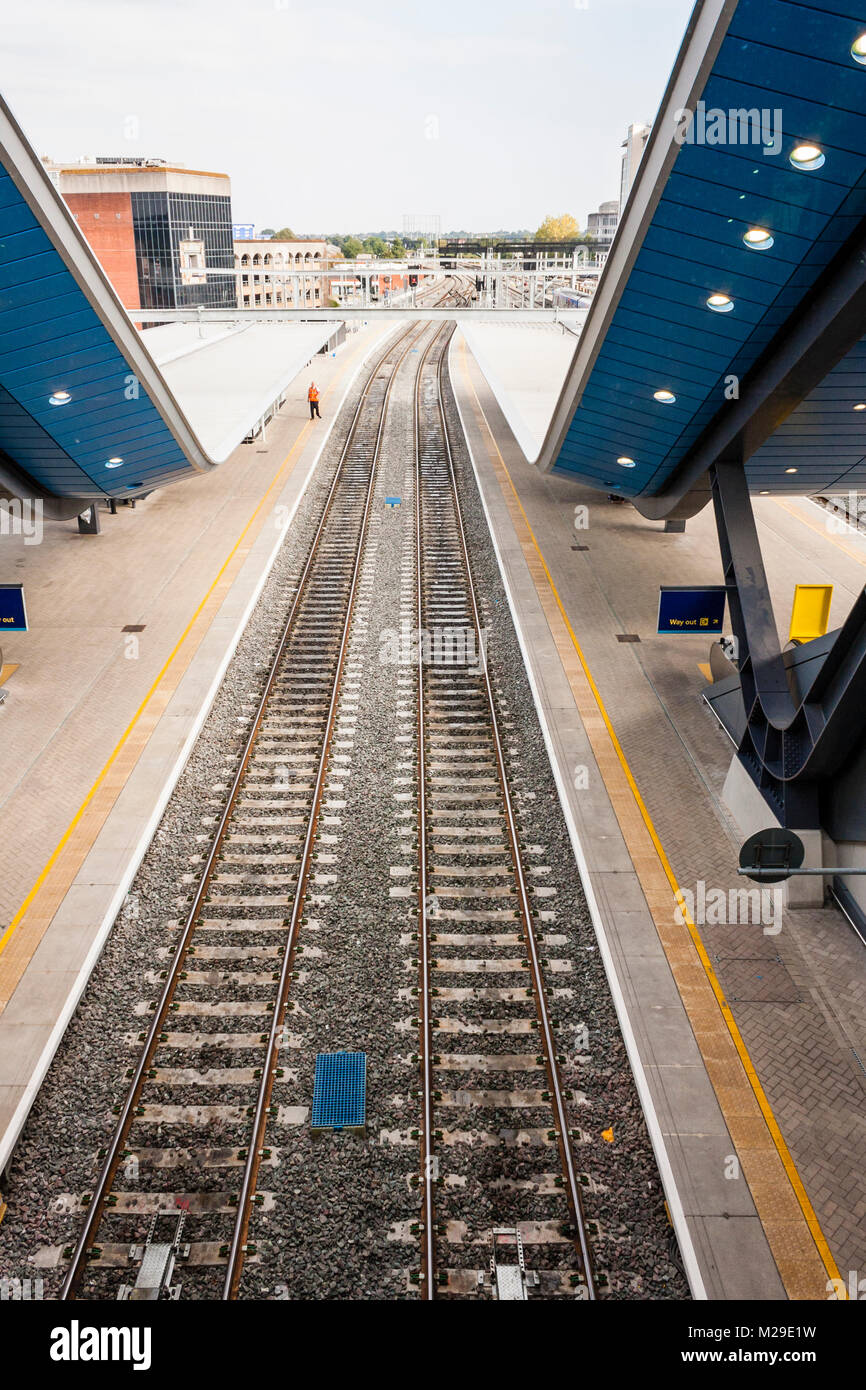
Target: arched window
[245, 260]
[257, 260]
[278, 258]
[268, 258]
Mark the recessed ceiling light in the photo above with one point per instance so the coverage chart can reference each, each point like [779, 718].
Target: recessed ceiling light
[59, 398]
[720, 303]
[806, 157]
[858, 49]
[861, 405]
[790, 470]
[114, 463]
[664, 397]
[765, 492]
[758, 239]
[625, 462]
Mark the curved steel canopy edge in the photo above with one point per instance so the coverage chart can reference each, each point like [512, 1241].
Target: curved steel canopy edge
[681, 238]
[62, 327]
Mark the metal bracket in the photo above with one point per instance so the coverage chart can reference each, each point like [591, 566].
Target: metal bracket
[156, 1261]
[776, 854]
[793, 743]
[88, 522]
[778, 736]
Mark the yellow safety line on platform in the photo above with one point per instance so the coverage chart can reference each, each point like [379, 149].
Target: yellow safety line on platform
[28, 901]
[838, 540]
[758, 1090]
[38, 885]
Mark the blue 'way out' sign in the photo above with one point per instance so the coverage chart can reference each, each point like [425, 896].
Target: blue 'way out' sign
[691, 608]
[13, 613]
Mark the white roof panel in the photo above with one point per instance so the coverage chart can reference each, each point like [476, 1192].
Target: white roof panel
[525, 365]
[224, 381]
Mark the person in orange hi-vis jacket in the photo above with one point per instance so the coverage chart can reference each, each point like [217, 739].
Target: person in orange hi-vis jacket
[313, 398]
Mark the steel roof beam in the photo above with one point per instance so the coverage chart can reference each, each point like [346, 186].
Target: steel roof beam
[345, 312]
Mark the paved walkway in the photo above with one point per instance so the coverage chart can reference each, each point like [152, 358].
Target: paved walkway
[766, 1084]
[99, 719]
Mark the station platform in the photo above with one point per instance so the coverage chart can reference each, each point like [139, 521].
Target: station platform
[130, 633]
[525, 365]
[748, 1047]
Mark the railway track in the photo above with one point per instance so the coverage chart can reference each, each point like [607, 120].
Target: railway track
[487, 1050]
[457, 288]
[216, 1029]
[186, 1167]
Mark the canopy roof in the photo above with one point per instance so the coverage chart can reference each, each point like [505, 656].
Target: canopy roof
[779, 75]
[85, 411]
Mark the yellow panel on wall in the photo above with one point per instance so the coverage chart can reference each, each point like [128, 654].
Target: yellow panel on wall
[811, 612]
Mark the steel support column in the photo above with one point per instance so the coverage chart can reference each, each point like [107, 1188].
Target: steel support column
[774, 716]
[88, 522]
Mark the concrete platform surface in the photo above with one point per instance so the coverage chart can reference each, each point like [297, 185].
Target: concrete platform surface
[525, 365]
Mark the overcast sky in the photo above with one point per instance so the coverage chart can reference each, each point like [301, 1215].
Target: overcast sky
[492, 113]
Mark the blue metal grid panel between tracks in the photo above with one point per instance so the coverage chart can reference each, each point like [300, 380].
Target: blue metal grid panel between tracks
[777, 56]
[52, 339]
[340, 1090]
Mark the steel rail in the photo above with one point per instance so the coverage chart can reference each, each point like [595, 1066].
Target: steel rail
[427, 1167]
[558, 1101]
[115, 1149]
[237, 1246]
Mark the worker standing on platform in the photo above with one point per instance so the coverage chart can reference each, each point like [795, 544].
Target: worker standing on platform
[313, 398]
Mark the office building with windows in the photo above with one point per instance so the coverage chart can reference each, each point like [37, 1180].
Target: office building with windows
[162, 233]
[274, 274]
[633, 147]
[602, 225]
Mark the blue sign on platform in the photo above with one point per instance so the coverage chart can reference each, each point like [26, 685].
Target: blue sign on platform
[393, 502]
[689, 608]
[13, 613]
